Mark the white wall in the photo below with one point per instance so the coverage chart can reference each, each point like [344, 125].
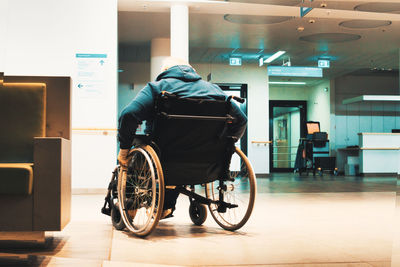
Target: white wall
[42, 38]
[318, 105]
[3, 27]
[288, 93]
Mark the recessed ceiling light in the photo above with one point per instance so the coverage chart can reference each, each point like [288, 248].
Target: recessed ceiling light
[330, 37]
[364, 23]
[384, 7]
[250, 19]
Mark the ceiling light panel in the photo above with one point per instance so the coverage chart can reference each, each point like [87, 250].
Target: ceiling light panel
[248, 19]
[382, 7]
[330, 37]
[364, 24]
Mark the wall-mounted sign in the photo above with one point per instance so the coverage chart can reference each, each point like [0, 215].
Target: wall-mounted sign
[295, 71]
[90, 75]
[235, 61]
[324, 63]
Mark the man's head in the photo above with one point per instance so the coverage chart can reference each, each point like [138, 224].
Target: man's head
[169, 62]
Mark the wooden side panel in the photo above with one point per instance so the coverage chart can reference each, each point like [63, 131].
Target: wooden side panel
[16, 213]
[51, 184]
[65, 182]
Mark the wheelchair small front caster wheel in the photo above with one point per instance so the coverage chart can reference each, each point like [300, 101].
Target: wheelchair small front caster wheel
[116, 219]
[198, 213]
[335, 172]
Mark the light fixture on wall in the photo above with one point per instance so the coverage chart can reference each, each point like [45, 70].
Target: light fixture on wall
[288, 83]
[274, 56]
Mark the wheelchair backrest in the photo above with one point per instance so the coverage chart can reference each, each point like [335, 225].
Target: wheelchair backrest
[191, 136]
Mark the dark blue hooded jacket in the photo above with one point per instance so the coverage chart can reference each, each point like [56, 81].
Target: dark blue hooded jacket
[182, 81]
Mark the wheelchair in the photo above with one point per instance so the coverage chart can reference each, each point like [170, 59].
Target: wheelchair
[188, 146]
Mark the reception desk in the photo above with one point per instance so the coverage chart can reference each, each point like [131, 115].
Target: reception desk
[379, 153]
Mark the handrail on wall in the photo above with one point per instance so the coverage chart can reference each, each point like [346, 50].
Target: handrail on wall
[94, 129]
[265, 143]
[104, 131]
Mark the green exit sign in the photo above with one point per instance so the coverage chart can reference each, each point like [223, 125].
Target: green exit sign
[324, 63]
[235, 61]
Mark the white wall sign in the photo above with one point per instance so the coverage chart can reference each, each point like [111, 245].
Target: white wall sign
[235, 61]
[91, 75]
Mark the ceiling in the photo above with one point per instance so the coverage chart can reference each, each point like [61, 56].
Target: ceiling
[338, 30]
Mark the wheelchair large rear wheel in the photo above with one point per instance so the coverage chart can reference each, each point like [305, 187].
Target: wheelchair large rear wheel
[241, 192]
[141, 191]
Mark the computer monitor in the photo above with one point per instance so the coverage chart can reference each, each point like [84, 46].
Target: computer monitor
[312, 127]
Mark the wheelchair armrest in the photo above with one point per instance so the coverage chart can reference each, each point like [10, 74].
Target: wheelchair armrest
[142, 139]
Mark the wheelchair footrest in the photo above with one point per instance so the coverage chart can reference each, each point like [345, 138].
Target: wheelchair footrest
[222, 206]
[106, 211]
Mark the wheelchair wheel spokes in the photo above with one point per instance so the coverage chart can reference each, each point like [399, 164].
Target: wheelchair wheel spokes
[138, 192]
[240, 191]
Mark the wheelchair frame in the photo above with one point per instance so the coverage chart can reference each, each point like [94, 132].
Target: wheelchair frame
[215, 199]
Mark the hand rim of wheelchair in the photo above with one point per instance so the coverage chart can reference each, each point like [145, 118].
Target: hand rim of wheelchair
[220, 217]
[157, 177]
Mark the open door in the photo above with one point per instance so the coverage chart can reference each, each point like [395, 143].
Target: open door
[287, 121]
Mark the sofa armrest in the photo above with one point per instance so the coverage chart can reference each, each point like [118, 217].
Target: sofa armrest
[51, 183]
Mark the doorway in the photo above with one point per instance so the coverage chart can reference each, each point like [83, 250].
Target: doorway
[239, 90]
[287, 120]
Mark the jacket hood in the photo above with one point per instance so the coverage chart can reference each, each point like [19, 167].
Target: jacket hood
[181, 72]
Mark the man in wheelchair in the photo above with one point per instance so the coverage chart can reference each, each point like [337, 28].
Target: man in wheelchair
[179, 78]
[191, 128]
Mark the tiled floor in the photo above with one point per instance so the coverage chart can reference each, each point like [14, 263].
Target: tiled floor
[296, 222]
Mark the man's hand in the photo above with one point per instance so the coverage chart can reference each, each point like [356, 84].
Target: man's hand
[123, 157]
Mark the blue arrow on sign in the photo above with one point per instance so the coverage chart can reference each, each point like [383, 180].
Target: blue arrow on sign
[102, 62]
[80, 85]
[304, 11]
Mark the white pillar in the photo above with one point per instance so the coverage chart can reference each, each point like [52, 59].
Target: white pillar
[3, 37]
[180, 31]
[160, 49]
